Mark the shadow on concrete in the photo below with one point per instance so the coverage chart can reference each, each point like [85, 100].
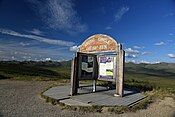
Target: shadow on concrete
[130, 92]
[87, 89]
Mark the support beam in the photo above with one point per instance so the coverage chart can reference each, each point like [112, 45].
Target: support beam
[94, 86]
[120, 71]
[74, 80]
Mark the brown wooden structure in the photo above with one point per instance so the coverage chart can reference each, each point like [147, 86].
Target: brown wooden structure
[99, 57]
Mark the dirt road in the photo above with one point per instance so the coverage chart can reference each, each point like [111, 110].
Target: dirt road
[21, 99]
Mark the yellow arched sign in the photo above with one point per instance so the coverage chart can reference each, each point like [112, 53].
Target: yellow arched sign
[98, 43]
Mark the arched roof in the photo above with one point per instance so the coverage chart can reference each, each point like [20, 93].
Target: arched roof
[98, 43]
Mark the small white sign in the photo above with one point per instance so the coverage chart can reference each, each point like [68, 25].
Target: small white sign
[106, 66]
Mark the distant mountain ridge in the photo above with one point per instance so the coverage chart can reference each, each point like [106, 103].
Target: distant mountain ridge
[158, 69]
[68, 62]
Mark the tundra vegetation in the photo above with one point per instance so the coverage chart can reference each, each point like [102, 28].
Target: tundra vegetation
[154, 80]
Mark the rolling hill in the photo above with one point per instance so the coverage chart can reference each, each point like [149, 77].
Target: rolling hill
[159, 76]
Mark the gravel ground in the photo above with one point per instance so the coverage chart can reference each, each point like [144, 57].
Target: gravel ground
[21, 99]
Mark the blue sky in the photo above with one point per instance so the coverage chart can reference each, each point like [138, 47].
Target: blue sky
[51, 29]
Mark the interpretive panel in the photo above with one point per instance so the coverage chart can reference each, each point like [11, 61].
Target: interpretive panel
[86, 66]
[106, 67]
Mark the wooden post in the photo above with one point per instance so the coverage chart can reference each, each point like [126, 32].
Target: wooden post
[120, 71]
[94, 86]
[95, 75]
[74, 80]
[117, 71]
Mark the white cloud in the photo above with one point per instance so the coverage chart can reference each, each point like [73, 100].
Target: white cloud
[59, 14]
[123, 10]
[130, 53]
[118, 16]
[32, 52]
[138, 47]
[130, 50]
[160, 43]
[143, 61]
[24, 44]
[132, 61]
[171, 55]
[13, 58]
[74, 48]
[47, 59]
[171, 34]
[108, 28]
[38, 38]
[146, 53]
[36, 32]
[148, 62]
[157, 62]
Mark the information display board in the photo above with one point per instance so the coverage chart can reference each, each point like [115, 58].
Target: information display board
[98, 57]
[106, 67]
[87, 66]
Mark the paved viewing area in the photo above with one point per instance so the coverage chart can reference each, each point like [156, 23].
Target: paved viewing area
[85, 97]
[21, 99]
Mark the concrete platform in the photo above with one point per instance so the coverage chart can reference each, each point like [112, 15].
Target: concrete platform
[85, 97]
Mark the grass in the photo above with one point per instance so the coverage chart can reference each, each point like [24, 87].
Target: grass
[32, 72]
[145, 82]
[155, 80]
[144, 77]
